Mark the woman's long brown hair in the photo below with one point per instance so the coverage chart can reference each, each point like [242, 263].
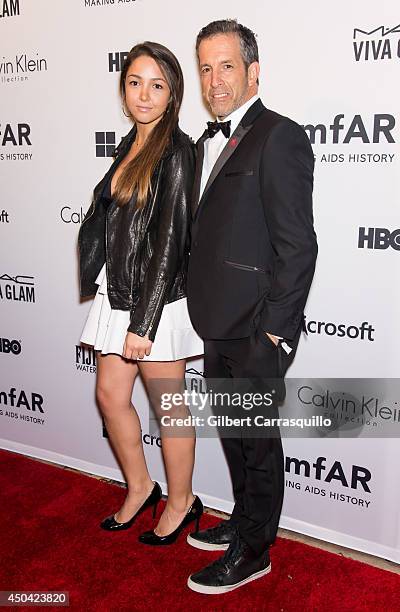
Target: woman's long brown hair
[138, 172]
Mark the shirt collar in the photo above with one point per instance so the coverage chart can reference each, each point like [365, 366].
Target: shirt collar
[237, 115]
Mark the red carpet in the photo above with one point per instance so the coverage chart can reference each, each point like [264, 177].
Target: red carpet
[50, 540]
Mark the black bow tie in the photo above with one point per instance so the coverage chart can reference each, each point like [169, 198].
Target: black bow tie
[214, 126]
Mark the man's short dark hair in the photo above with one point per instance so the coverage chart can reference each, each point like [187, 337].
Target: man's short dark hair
[247, 38]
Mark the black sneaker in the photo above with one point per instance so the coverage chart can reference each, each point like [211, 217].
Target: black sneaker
[215, 538]
[238, 566]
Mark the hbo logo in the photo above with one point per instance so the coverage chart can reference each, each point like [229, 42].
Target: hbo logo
[10, 346]
[378, 238]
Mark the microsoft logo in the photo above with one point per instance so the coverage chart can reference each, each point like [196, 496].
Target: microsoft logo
[105, 144]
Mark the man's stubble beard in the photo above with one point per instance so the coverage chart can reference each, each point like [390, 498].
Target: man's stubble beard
[235, 106]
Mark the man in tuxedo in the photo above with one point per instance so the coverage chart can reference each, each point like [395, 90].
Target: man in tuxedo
[250, 270]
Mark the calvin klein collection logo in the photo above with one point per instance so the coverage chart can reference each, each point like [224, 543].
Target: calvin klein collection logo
[4, 217]
[20, 67]
[70, 216]
[10, 346]
[341, 330]
[116, 60]
[378, 129]
[381, 43]
[18, 288]
[379, 238]
[105, 144]
[350, 408]
[9, 8]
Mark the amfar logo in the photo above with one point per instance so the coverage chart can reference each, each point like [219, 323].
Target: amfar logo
[105, 144]
[4, 216]
[356, 477]
[18, 288]
[116, 60]
[378, 44]
[20, 67]
[9, 8]
[85, 359]
[378, 238]
[71, 216]
[341, 330]
[377, 130]
[15, 135]
[20, 399]
[10, 346]
[355, 130]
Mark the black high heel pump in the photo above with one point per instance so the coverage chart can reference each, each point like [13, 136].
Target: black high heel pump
[110, 524]
[193, 514]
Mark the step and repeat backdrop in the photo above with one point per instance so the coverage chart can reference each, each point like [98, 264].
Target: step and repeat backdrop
[335, 70]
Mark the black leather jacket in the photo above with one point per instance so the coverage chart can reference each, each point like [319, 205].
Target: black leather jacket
[145, 250]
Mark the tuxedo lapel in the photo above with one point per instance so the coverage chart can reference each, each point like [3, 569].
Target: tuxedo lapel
[227, 151]
[198, 172]
[233, 142]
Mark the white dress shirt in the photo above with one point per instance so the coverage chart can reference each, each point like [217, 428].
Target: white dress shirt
[213, 147]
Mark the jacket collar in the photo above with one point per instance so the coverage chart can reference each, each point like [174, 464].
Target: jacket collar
[252, 113]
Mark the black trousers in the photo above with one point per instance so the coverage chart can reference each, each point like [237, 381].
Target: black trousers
[256, 464]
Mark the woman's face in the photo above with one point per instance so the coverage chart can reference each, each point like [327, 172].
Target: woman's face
[146, 91]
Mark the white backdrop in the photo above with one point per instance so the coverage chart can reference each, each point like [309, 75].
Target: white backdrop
[317, 64]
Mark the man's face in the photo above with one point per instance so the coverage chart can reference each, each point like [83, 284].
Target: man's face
[226, 82]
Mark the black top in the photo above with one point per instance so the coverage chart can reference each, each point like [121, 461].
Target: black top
[106, 194]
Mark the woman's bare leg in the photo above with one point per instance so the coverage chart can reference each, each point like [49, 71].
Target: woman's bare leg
[178, 452]
[115, 378]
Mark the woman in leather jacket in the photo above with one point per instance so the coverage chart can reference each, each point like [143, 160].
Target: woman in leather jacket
[133, 248]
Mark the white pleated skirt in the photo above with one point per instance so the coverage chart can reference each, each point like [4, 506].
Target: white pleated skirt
[105, 329]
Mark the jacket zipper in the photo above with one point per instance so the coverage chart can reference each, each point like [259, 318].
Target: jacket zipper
[240, 266]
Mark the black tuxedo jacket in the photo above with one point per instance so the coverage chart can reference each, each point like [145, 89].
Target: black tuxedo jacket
[253, 245]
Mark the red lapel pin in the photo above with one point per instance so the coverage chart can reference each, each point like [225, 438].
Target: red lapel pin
[233, 142]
